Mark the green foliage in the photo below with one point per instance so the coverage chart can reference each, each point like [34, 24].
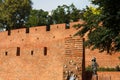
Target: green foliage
[18, 14]
[110, 13]
[59, 15]
[107, 69]
[0, 1]
[65, 14]
[117, 68]
[98, 38]
[14, 13]
[110, 18]
[89, 68]
[37, 18]
[102, 25]
[91, 19]
[92, 26]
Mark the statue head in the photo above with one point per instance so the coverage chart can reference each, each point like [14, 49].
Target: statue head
[94, 59]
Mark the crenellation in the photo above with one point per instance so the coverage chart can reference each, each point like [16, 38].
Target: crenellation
[38, 29]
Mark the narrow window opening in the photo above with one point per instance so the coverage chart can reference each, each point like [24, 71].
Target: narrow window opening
[45, 51]
[6, 53]
[18, 51]
[32, 52]
[27, 30]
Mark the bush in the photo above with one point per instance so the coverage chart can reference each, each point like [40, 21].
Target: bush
[89, 69]
[106, 69]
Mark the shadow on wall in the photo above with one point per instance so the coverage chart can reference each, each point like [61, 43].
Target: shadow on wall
[88, 75]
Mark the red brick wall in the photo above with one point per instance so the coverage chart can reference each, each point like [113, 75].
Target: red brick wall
[103, 59]
[73, 61]
[35, 41]
[33, 64]
[108, 76]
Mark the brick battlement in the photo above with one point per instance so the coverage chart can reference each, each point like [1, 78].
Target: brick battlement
[40, 29]
[35, 36]
[35, 39]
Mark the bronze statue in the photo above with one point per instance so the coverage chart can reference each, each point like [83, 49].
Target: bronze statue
[94, 66]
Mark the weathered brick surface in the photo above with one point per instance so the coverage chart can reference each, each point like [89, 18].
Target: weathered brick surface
[34, 62]
[108, 76]
[103, 59]
[73, 58]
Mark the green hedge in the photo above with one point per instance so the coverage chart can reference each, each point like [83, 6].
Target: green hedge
[117, 68]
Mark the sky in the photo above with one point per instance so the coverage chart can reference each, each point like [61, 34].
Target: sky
[52, 4]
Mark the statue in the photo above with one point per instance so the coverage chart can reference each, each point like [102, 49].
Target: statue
[94, 66]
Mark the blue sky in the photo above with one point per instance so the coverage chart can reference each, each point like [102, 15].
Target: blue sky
[49, 5]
